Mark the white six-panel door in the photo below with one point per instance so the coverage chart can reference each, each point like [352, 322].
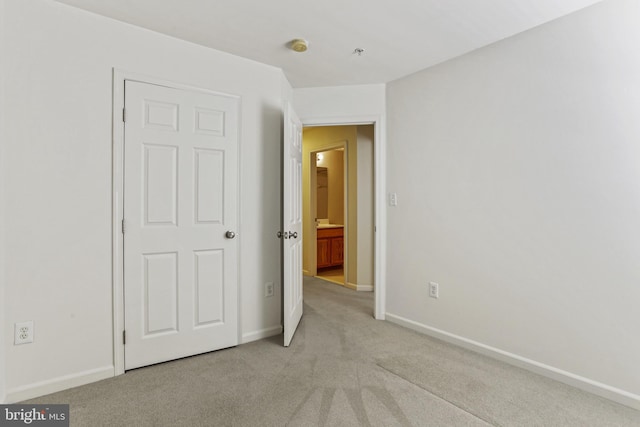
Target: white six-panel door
[180, 200]
[292, 224]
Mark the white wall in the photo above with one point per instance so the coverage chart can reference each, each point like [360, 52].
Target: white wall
[2, 217]
[517, 169]
[339, 101]
[57, 204]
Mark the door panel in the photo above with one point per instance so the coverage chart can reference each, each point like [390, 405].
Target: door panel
[161, 293]
[209, 173]
[160, 177]
[292, 224]
[209, 292]
[180, 198]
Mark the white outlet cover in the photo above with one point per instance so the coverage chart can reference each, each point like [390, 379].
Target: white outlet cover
[23, 333]
[268, 289]
[434, 289]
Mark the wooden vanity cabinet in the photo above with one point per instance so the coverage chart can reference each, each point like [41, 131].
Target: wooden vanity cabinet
[337, 251]
[330, 247]
[324, 253]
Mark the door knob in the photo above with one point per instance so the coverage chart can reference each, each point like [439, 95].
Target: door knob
[229, 234]
[287, 235]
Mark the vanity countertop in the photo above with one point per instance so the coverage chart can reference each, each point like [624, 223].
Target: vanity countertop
[330, 225]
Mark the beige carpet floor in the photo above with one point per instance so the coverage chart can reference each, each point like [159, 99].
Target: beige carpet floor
[343, 369]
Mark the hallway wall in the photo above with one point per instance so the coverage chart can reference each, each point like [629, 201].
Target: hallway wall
[365, 203]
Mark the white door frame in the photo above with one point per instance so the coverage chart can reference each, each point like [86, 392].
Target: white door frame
[117, 202]
[380, 212]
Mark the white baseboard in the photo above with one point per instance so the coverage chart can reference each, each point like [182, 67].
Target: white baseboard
[603, 390]
[359, 288]
[42, 388]
[351, 286]
[260, 334]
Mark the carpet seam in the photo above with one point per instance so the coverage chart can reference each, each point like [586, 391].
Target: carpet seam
[439, 397]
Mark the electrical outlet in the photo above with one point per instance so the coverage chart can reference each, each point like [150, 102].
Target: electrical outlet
[23, 332]
[268, 289]
[434, 289]
[393, 199]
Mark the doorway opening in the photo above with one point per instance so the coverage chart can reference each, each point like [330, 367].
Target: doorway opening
[329, 217]
[338, 204]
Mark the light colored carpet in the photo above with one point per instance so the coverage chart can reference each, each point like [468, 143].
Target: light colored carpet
[343, 369]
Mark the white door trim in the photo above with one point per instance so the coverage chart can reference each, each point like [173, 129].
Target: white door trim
[380, 179]
[117, 201]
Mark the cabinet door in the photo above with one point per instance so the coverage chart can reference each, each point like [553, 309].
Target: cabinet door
[324, 253]
[337, 251]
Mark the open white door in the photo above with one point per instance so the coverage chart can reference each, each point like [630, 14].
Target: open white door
[292, 223]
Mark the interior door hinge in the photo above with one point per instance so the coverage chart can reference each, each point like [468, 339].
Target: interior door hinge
[124, 115]
[124, 337]
[123, 226]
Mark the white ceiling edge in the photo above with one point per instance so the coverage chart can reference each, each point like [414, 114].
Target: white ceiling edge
[399, 38]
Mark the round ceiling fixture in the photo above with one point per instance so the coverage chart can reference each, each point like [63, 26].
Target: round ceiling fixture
[299, 45]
